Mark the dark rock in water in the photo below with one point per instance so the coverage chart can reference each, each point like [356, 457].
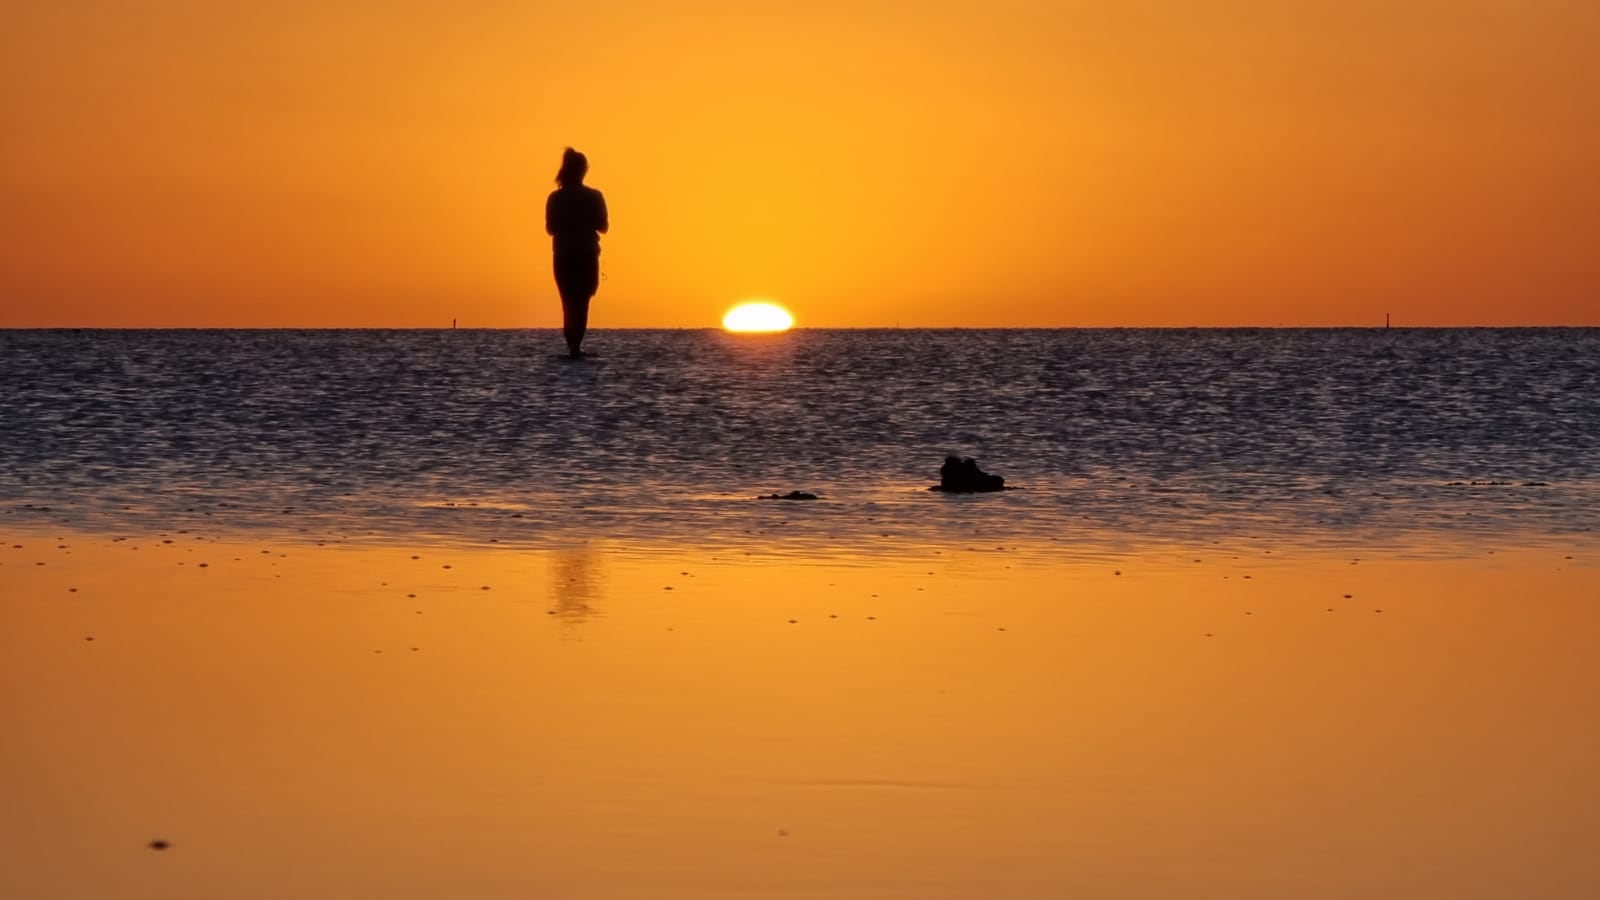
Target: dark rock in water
[962, 476]
[792, 495]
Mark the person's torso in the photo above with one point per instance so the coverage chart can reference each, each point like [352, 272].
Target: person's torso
[574, 218]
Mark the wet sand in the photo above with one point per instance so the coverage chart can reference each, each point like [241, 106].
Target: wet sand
[339, 721]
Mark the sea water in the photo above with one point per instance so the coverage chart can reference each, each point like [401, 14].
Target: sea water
[557, 647]
[666, 437]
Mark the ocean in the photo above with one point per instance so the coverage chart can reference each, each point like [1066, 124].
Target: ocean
[435, 615]
[1115, 439]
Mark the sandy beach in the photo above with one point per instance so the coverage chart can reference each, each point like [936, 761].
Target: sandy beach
[342, 720]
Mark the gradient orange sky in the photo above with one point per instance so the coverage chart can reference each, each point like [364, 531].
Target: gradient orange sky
[866, 163]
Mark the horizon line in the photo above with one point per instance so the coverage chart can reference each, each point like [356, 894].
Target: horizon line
[557, 328]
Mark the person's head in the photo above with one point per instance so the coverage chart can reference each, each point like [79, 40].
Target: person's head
[574, 166]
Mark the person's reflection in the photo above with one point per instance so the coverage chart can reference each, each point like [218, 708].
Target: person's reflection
[577, 584]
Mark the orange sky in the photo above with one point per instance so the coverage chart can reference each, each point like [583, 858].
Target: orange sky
[865, 162]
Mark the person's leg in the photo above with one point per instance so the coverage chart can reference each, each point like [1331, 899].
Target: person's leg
[574, 308]
[575, 322]
[577, 278]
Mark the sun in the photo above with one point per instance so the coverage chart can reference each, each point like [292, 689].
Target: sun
[763, 317]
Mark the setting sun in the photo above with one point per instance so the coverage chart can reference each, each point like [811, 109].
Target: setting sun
[758, 317]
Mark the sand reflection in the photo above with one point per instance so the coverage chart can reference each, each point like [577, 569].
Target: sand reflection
[409, 723]
[576, 583]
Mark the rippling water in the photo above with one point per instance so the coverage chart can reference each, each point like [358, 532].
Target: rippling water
[1113, 435]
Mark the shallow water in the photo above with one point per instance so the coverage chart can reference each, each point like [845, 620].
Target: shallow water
[1321, 436]
[442, 723]
[438, 615]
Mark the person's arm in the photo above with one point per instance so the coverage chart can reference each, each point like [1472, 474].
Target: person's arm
[549, 205]
[600, 207]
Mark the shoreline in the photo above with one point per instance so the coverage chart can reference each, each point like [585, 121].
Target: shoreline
[1077, 545]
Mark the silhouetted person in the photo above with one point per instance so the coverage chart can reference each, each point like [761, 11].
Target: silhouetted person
[575, 217]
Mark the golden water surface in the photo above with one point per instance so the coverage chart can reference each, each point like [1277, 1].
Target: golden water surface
[340, 721]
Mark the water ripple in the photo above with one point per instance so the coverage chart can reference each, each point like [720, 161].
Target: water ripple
[671, 434]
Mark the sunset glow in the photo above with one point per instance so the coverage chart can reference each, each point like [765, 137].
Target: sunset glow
[758, 318]
[908, 449]
[1019, 163]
